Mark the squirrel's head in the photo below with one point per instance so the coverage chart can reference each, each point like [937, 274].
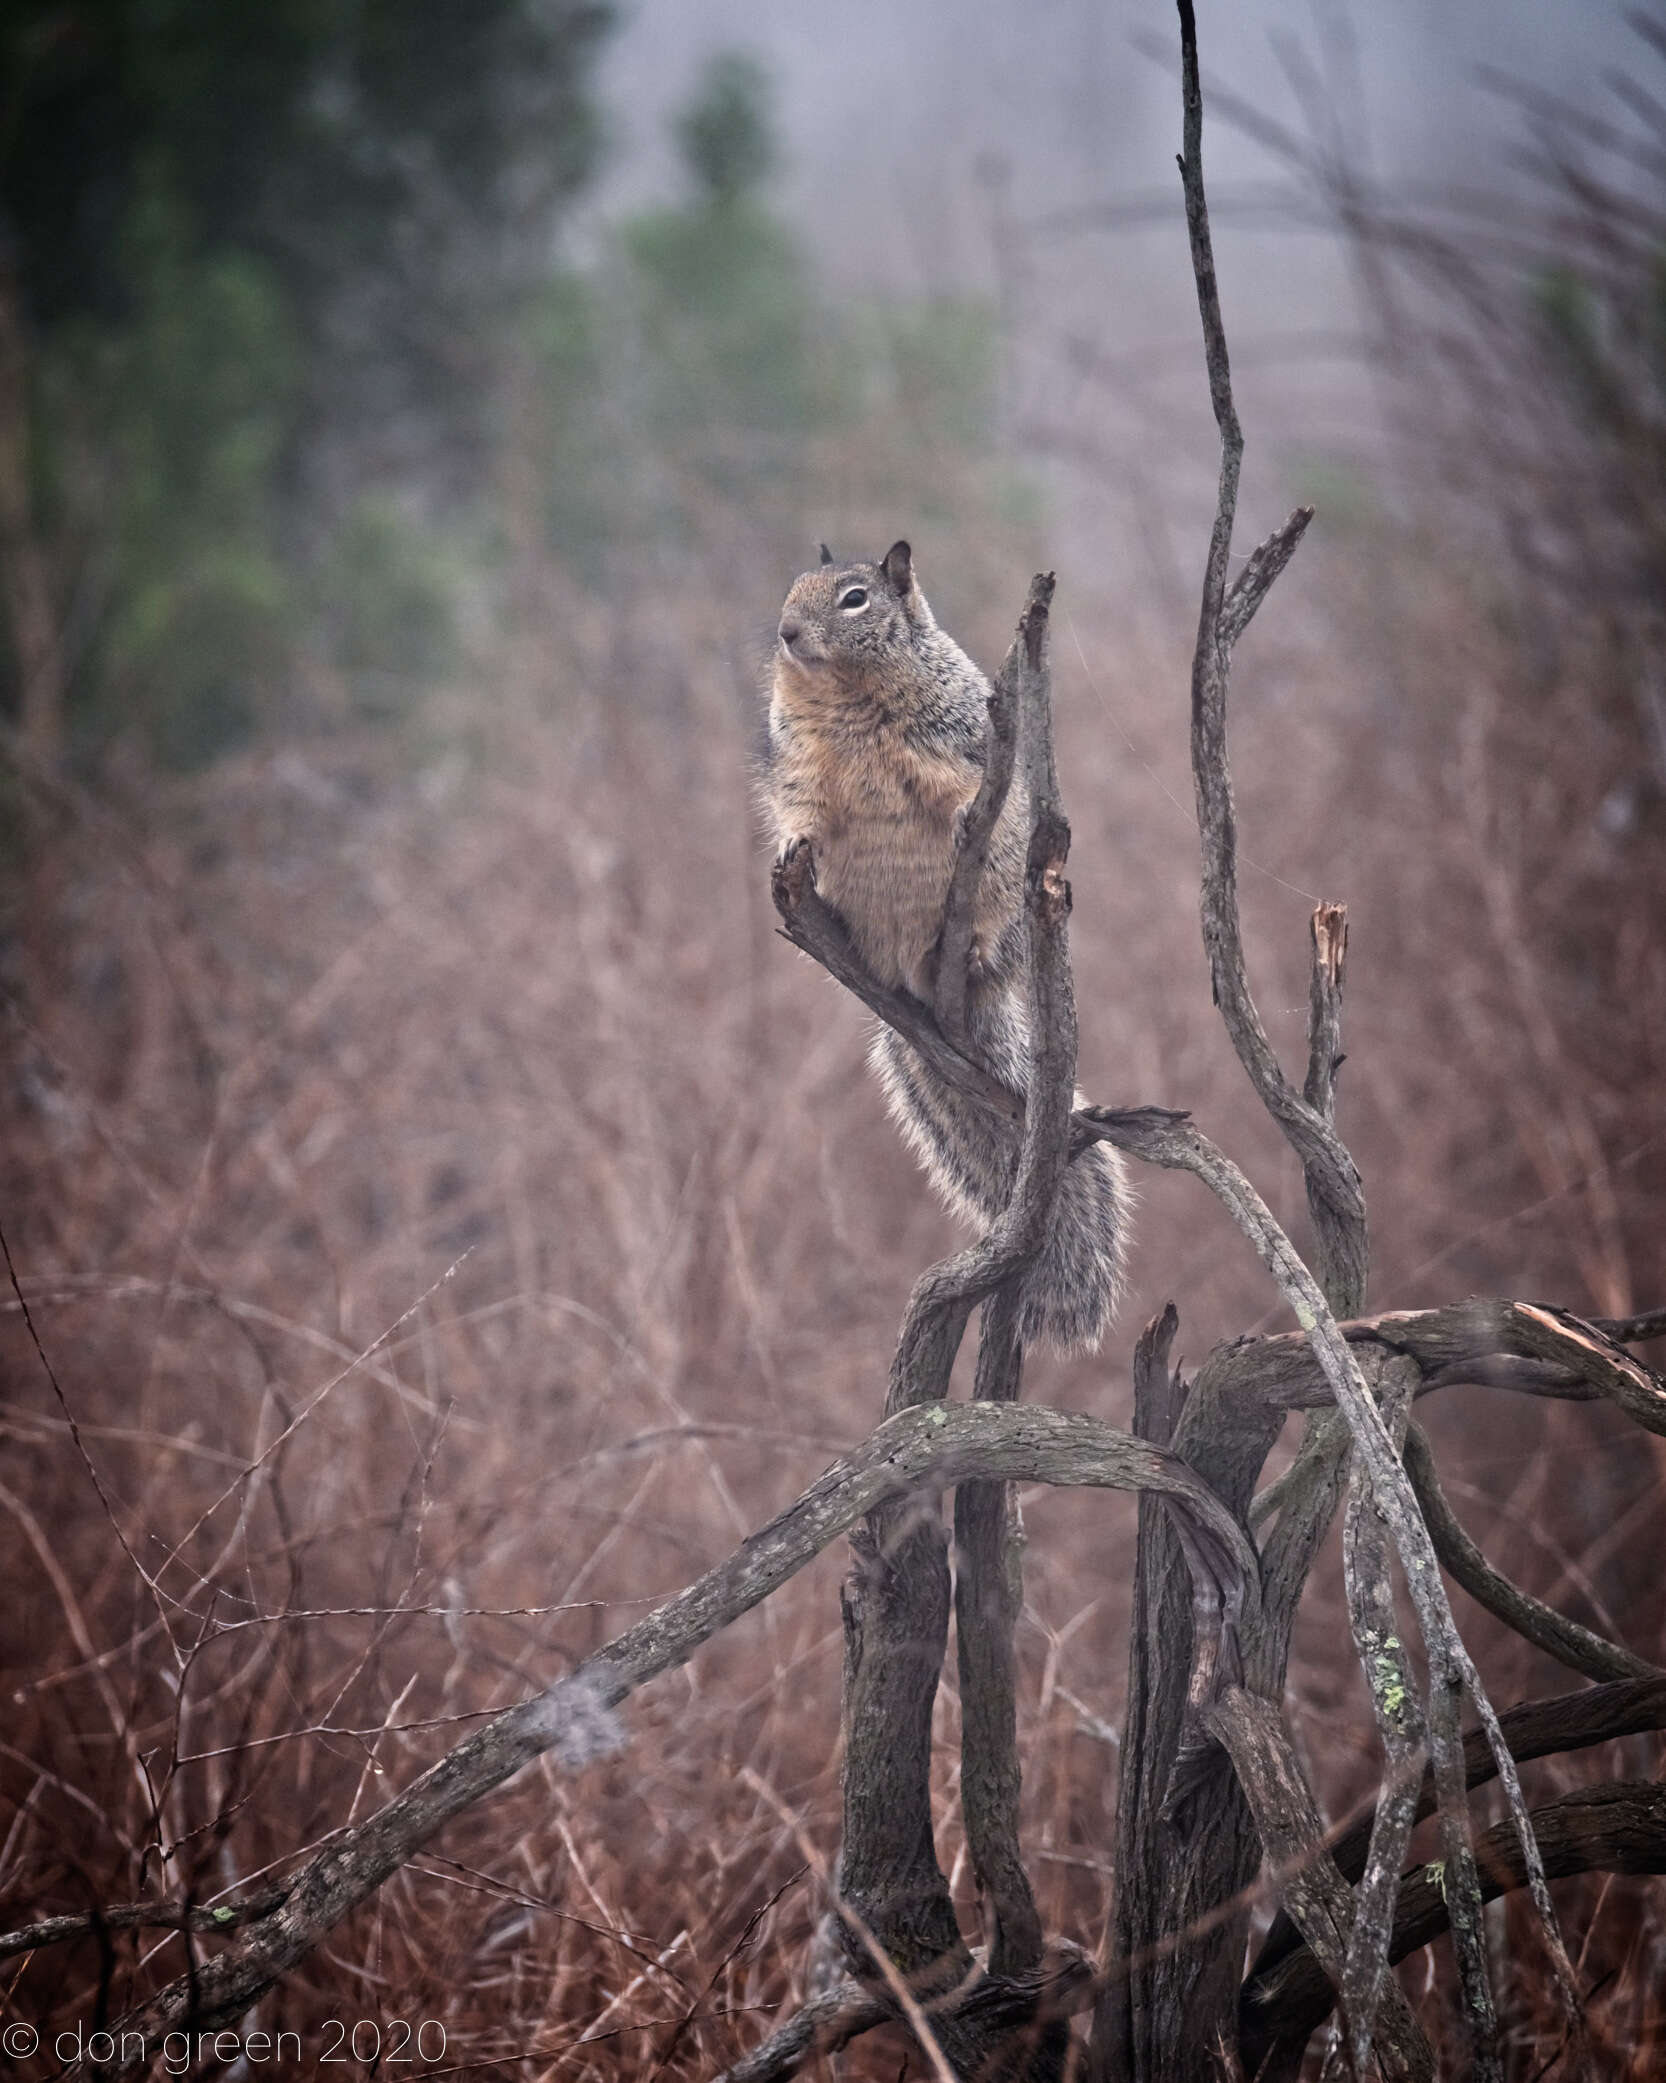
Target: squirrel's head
[845, 620]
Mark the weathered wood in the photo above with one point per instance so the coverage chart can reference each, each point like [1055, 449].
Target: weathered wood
[897, 1599]
[1537, 1729]
[895, 1607]
[1580, 1648]
[1180, 1913]
[1334, 1187]
[989, 1595]
[1159, 1397]
[1061, 1985]
[1368, 1577]
[1618, 1828]
[989, 1581]
[1315, 1894]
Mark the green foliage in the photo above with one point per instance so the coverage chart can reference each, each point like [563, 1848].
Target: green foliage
[698, 373]
[717, 296]
[584, 457]
[685, 372]
[942, 355]
[298, 339]
[387, 594]
[161, 444]
[726, 134]
[722, 321]
[269, 256]
[1571, 322]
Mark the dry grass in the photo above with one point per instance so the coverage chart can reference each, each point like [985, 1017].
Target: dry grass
[438, 1130]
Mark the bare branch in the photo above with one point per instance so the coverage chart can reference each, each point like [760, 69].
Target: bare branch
[1520, 1346]
[944, 1296]
[1539, 1728]
[1161, 1139]
[1252, 585]
[1060, 1986]
[814, 927]
[896, 1600]
[1559, 1336]
[824, 2025]
[1119, 2016]
[1632, 1330]
[989, 1595]
[1315, 1894]
[1617, 1828]
[976, 827]
[1368, 1573]
[1580, 1648]
[141, 1916]
[1328, 933]
[1333, 1180]
[1452, 1670]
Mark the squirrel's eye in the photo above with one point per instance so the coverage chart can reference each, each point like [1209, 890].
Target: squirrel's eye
[856, 598]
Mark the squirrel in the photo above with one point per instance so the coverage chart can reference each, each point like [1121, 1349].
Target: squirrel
[875, 746]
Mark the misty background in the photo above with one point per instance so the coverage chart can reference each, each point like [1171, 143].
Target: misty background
[451, 1215]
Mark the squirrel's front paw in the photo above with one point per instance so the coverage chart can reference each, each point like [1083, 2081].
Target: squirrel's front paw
[794, 874]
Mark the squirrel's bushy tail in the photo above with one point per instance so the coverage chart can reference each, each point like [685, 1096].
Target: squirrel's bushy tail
[1071, 1292]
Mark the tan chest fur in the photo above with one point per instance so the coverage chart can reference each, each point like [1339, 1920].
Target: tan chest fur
[879, 812]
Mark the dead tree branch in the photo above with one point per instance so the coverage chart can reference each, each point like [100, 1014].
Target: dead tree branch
[1618, 1828]
[896, 1598]
[1335, 1192]
[976, 828]
[1633, 1330]
[1537, 1729]
[988, 1538]
[945, 1295]
[1062, 1985]
[1367, 1559]
[1580, 1648]
[1315, 1894]
[1560, 1355]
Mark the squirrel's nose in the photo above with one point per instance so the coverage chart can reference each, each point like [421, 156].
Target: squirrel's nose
[791, 630]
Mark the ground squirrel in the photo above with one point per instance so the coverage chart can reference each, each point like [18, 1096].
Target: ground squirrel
[877, 726]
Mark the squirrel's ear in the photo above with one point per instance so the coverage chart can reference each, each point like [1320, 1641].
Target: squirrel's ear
[826, 553]
[898, 566]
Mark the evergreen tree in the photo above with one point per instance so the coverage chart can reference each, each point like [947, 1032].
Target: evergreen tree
[256, 266]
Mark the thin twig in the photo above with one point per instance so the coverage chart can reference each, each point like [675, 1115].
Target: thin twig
[1333, 1179]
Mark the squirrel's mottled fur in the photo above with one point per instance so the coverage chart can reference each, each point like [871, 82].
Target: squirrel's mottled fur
[877, 726]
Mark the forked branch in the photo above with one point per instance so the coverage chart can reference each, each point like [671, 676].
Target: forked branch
[1334, 1193]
